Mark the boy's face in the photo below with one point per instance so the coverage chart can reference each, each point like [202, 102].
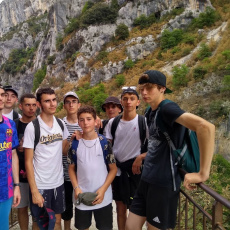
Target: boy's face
[112, 110]
[48, 103]
[87, 122]
[2, 98]
[151, 94]
[28, 107]
[11, 99]
[71, 105]
[129, 102]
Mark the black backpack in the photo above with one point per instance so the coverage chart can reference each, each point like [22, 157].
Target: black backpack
[15, 115]
[104, 122]
[37, 129]
[142, 129]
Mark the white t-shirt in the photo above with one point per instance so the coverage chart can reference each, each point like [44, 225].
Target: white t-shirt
[127, 143]
[92, 171]
[10, 115]
[47, 161]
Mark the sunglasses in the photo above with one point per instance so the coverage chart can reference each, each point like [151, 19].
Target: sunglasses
[129, 87]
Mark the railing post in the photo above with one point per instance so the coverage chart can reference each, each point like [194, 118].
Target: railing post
[217, 214]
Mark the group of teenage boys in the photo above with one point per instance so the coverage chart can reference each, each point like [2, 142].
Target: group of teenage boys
[132, 155]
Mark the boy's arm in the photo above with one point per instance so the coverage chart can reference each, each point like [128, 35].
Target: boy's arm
[15, 171]
[36, 196]
[65, 147]
[73, 178]
[109, 179]
[205, 132]
[136, 167]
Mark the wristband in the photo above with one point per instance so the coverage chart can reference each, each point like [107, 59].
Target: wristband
[16, 184]
[76, 187]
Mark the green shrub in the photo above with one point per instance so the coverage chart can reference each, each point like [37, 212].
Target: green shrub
[98, 100]
[204, 51]
[99, 13]
[59, 44]
[180, 76]
[38, 77]
[73, 25]
[171, 39]
[122, 32]
[144, 21]
[217, 108]
[120, 80]
[189, 39]
[199, 72]
[129, 64]
[87, 6]
[102, 55]
[51, 59]
[207, 18]
[226, 54]
[226, 83]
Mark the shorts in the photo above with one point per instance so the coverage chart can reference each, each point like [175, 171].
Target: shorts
[68, 213]
[54, 200]
[103, 218]
[25, 201]
[119, 191]
[157, 204]
[5, 208]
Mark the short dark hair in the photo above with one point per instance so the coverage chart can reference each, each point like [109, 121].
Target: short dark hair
[87, 109]
[2, 87]
[26, 95]
[41, 91]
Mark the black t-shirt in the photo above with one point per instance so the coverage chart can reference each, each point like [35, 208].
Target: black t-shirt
[21, 129]
[157, 168]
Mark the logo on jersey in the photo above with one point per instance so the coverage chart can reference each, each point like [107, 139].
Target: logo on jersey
[9, 132]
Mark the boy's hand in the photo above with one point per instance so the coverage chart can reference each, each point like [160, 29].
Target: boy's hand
[38, 199]
[136, 167]
[100, 196]
[77, 191]
[99, 123]
[77, 134]
[191, 179]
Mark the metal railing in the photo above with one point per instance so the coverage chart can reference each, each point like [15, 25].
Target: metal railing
[192, 215]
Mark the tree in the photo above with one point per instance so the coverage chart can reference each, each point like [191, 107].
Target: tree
[122, 32]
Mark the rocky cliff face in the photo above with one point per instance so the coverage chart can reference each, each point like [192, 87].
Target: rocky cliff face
[88, 42]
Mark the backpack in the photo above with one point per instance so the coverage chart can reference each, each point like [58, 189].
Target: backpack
[104, 123]
[104, 146]
[37, 129]
[142, 130]
[187, 158]
[15, 115]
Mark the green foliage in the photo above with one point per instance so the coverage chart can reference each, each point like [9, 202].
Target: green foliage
[122, 32]
[94, 96]
[102, 56]
[38, 77]
[51, 59]
[59, 44]
[226, 83]
[59, 107]
[180, 76]
[129, 64]
[199, 72]
[207, 18]
[218, 108]
[226, 54]
[189, 39]
[73, 25]
[171, 39]
[144, 21]
[120, 80]
[99, 13]
[87, 6]
[204, 51]
[17, 59]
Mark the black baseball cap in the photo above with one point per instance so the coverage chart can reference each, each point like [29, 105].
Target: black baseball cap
[10, 88]
[113, 100]
[129, 89]
[155, 77]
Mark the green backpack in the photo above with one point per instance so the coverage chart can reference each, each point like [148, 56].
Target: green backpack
[188, 157]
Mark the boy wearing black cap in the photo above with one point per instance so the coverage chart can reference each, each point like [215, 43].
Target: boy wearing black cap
[112, 107]
[128, 153]
[11, 100]
[156, 197]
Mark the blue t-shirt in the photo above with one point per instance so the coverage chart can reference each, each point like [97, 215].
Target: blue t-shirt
[8, 141]
[157, 169]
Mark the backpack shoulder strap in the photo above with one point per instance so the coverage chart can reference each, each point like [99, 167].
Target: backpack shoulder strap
[142, 128]
[104, 146]
[16, 121]
[60, 123]
[104, 123]
[36, 132]
[114, 125]
[15, 115]
[74, 146]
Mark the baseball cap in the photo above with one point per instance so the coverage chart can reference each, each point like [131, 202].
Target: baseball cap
[70, 93]
[155, 77]
[10, 88]
[113, 100]
[129, 89]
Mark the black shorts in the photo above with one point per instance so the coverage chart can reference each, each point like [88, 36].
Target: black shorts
[157, 204]
[68, 213]
[54, 200]
[103, 218]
